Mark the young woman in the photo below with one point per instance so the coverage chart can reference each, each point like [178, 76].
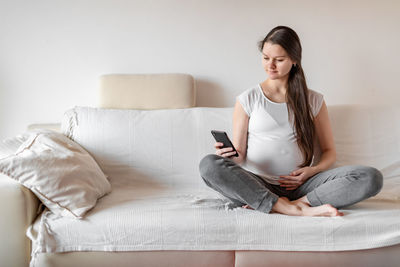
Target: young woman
[275, 124]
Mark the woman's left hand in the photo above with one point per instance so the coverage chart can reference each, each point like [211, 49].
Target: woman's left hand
[296, 178]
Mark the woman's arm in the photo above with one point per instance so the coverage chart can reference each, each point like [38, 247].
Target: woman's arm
[324, 134]
[240, 127]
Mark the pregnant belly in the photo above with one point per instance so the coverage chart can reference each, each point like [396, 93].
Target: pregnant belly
[272, 157]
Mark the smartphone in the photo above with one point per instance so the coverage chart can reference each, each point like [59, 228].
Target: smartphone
[222, 137]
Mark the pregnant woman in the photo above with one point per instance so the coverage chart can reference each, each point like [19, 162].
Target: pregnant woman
[275, 124]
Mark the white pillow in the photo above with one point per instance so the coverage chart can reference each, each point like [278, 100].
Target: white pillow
[58, 171]
[10, 145]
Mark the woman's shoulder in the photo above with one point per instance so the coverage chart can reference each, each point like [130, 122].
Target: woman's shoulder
[248, 98]
[315, 99]
[313, 93]
[252, 91]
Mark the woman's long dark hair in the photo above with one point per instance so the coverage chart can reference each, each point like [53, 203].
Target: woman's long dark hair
[297, 93]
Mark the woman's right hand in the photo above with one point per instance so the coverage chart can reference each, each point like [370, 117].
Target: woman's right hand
[226, 152]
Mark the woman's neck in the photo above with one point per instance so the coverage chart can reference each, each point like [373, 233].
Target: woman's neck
[276, 86]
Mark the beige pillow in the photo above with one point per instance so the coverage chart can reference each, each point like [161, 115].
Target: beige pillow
[58, 171]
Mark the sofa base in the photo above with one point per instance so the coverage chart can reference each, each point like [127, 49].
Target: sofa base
[377, 257]
[382, 257]
[170, 258]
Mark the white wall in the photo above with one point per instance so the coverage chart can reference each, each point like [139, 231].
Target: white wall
[51, 52]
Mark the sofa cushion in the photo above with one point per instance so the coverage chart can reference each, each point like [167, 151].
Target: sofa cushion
[139, 144]
[367, 135]
[58, 171]
[146, 217]
[165, 146]
[147, 91]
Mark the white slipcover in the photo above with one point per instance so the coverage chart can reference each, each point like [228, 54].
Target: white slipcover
[159, 201]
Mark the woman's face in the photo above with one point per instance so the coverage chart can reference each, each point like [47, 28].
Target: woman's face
[276, 62]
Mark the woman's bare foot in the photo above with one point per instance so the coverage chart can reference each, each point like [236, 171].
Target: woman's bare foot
[300, 208]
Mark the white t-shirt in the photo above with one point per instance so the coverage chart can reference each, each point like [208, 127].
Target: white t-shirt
[272, 149]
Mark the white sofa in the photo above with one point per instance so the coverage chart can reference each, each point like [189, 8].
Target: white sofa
[160, 213]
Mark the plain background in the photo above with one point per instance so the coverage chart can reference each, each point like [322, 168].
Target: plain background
[52, 52]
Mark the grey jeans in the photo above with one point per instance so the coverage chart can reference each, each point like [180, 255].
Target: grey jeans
[339, 187]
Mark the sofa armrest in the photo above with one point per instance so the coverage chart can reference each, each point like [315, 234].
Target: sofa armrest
[18, 209]
[50, 126]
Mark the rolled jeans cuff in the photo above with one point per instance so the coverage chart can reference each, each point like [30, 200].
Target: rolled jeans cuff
[313, 199]
[267, 202]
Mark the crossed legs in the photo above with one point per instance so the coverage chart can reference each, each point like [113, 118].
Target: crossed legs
[321, 195]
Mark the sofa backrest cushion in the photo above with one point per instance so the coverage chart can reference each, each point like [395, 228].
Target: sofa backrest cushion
[147, 91]
[163, 146]
[367, 135]
[167, 145]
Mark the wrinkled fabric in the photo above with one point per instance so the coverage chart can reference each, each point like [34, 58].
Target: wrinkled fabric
[152, 217]
[160, 202]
